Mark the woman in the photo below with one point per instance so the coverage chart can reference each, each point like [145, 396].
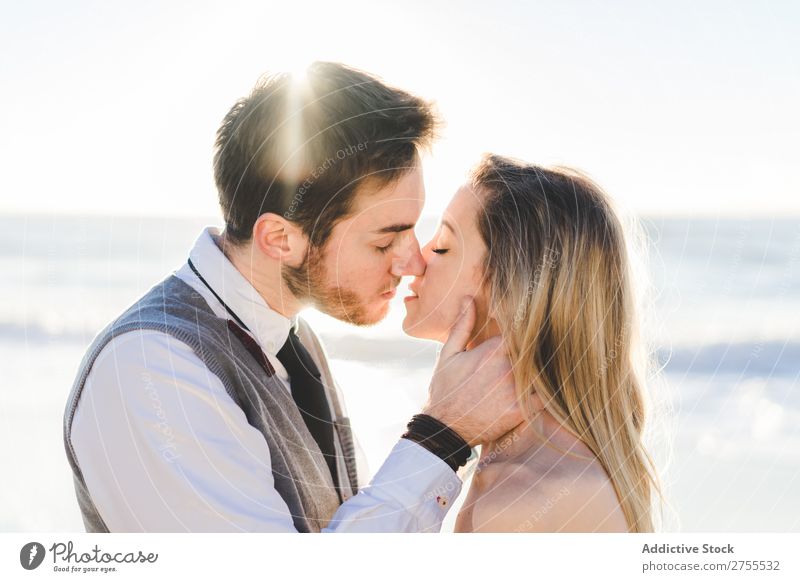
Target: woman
[544, 256]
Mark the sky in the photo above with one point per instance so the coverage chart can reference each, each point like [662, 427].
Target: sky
[673, 107]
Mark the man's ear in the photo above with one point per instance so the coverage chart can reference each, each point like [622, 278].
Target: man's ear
[280, 239]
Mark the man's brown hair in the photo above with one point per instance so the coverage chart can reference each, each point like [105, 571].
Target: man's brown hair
[302, 147]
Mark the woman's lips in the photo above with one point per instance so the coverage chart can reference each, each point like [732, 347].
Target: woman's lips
[414, 293]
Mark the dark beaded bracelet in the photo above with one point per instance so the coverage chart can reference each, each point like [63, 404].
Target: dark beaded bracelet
[439, 439]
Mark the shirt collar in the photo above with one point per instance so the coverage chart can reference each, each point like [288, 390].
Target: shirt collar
[270, 328]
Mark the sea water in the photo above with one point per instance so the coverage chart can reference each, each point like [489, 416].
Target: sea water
[724, 325]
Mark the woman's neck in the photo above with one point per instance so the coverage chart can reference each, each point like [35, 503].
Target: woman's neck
[487, 329]
[512, 443]
[542, 432]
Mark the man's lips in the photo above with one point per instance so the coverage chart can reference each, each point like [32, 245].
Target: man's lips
[392, 291]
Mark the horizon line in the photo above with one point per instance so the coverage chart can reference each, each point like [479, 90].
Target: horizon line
[782, 214]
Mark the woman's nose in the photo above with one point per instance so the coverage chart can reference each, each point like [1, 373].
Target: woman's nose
[411, 263]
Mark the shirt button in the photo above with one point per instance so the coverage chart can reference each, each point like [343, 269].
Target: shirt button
[442, 500]
[271, 346]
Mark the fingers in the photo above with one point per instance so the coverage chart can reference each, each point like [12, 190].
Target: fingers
[461, 330]
[492, 355]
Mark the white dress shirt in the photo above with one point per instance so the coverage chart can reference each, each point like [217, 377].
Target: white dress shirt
[163, 447]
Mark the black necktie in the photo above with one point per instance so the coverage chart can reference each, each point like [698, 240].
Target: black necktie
[308, 392]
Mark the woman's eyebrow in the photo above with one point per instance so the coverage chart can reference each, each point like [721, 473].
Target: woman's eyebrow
[448, 225]
[394, 228]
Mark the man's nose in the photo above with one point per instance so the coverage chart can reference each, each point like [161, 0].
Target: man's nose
[411, 263]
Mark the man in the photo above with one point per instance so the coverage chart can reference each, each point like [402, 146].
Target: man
[209, 405]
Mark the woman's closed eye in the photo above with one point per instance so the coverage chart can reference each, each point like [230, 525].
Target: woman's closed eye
[440, 251]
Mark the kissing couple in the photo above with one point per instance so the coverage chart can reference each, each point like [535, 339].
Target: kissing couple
[209, 404]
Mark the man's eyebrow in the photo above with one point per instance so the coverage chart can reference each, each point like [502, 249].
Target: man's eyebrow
[394, 228]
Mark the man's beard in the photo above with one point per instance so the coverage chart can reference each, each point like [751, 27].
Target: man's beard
[307, 284]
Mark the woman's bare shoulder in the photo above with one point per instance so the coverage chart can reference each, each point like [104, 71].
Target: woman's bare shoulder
[569, 497]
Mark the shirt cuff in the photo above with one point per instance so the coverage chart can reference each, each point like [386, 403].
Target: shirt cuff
[420, 481]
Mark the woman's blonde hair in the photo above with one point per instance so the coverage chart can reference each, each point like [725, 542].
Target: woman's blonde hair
[561, 290]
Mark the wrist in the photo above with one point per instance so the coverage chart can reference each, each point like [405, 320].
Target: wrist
[449, 420]
[438, 438]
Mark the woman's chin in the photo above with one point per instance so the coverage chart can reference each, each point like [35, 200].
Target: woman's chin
[409, 328]
[414, 329]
